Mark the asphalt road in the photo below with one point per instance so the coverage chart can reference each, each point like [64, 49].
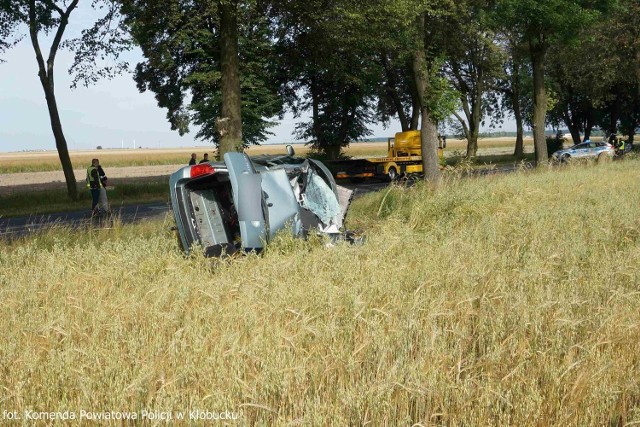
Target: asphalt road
[21, 226]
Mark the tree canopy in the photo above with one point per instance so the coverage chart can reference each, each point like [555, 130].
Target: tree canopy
[233, 67]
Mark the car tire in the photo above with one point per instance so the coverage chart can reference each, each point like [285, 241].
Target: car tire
[565, 158]
[392, 174]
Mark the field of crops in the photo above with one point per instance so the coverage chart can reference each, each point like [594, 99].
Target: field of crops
[48, 161]
[507, 300]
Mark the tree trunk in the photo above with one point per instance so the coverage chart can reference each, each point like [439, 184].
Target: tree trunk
[538, 53]
[45, 73]
[428, 128]
[476, 114]
[229, 126]
[58, 134]
[471, 119]
[575, 134]
[574, 128]
[465, 128]
[332, 151]
[392, 90]
[518, 151]
[320, 143]
[589, 123]
[472, 144]
[404, 123]
[467, 125]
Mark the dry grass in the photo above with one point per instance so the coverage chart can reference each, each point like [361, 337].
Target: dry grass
[510, 300]
[49, 161]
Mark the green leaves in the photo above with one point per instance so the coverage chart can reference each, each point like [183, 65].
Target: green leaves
[180, 41]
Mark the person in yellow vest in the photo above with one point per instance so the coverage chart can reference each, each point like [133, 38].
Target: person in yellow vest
[94, 184]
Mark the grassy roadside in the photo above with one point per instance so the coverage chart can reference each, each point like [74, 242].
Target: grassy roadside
[510, 300]
[56, 200]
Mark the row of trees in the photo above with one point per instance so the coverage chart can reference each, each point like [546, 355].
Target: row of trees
[232, 66]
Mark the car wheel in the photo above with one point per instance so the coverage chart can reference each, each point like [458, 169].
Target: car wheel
[565, 158]
[392, 174]
[603, 157]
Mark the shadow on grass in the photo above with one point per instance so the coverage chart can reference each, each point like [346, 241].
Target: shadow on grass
[487, 161]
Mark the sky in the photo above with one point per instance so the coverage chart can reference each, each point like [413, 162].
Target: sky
[111, 113]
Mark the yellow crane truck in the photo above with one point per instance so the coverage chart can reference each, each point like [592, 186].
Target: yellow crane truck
[404, 156]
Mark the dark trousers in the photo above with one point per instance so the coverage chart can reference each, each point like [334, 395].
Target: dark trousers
[95, 195]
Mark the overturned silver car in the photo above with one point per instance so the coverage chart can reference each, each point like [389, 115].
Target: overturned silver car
[241, 202]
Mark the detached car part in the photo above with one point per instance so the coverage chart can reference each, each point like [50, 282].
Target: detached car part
[241, 202]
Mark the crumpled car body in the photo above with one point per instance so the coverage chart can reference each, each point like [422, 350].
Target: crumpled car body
[240, 203]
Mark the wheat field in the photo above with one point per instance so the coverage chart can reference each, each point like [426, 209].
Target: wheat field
[20, 162]
[507, 300]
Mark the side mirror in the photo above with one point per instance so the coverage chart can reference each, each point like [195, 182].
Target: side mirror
[290, 150]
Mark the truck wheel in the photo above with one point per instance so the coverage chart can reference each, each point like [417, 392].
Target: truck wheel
[392, 174]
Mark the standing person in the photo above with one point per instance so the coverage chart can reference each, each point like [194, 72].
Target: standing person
[192, 161]
[94, 184]
[206, 158]
[621, 146]
[103, 202]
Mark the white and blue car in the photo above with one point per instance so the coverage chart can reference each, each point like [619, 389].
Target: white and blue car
[586, 150]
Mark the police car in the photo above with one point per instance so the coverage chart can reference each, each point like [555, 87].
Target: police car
[586, 150]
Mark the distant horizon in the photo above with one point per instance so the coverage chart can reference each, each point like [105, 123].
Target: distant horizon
[496, 134]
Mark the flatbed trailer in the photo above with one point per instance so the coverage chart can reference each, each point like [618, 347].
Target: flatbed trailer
[404, 157]
[376, 167]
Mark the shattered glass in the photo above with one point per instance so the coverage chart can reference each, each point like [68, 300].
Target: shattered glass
[320, 199]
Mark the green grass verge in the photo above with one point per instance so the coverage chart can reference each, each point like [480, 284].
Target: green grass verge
[503, 300]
